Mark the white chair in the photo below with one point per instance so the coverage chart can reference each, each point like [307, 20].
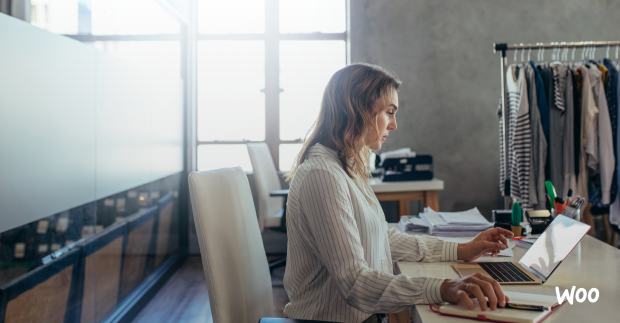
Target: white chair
[270, 209]
[229, 238]
[267, 180]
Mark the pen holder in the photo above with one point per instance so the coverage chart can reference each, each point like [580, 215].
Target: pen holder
[517, 230]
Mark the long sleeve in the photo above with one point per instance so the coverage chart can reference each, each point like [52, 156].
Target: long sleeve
[407, 247]
[339, 248]
[521, 145]
[605, 142]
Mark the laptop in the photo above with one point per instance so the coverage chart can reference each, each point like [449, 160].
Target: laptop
[539, 262]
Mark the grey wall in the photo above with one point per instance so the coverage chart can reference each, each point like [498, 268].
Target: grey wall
[442, 51]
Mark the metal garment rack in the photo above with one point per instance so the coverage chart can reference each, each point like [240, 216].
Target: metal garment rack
[502, 48]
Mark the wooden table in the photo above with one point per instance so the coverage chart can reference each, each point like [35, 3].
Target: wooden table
[405, 192]
[400, 192]
[591, 264]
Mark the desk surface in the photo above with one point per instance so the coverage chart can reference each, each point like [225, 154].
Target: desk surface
[591, 264]
[379, 186]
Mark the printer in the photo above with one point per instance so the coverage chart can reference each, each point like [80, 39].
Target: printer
[417, 168]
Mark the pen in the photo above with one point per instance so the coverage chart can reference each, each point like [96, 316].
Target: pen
[526, 307]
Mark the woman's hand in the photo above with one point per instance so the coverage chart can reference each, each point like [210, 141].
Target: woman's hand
[476, 286]
[490, 241]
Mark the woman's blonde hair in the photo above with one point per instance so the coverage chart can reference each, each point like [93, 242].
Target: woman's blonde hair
[346, 115]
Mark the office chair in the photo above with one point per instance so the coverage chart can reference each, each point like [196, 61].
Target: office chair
[229, 238]
[271, 210]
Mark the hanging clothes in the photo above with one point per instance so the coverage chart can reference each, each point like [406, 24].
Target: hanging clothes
[603, 167]
[513, 97]
[577, 88]
[503, 168]
[539, 143]
[562, 126]
[588, 156]
[569, 178]
[614, 209]
[557, 124]
[519, 135]
[611, 95]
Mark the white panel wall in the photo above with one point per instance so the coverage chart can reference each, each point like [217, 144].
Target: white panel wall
[77, 125]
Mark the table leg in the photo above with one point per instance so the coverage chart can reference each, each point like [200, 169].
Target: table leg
[431, 199]
[400, 317]
[404, 207]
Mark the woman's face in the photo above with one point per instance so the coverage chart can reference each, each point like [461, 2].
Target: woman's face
[385, 120]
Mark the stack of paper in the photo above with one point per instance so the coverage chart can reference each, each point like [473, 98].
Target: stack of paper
[455, 224]
[413, 224]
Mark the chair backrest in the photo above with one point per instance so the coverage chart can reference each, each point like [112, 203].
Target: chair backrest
[267, 180]
[233, 256]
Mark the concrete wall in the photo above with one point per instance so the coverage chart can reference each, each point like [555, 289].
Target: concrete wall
[442, 51]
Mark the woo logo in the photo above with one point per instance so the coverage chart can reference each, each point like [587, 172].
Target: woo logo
[579, 295]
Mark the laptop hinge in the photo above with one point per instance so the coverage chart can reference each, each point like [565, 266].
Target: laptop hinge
[536, 273]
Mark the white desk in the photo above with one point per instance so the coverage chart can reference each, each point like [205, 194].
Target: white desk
[404, 192]
[591, 264]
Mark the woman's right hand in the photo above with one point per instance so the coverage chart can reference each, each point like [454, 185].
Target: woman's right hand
[476, 286]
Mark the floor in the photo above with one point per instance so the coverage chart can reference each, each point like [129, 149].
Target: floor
[184, 297]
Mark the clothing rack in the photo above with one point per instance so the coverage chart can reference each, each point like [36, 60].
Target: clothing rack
[502, 48]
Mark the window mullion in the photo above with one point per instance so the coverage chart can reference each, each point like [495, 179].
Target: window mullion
[84, 17]
[272, 79]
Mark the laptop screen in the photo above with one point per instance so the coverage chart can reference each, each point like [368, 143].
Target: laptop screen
[553, 245]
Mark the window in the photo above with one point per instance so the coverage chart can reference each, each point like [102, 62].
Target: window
[135, 17]
[56, 16]
[262, 67]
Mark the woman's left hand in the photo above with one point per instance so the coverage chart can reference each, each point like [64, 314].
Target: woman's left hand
[489, 241]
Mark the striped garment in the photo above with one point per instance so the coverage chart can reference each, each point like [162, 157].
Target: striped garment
[519, 139]
[340, 254]
[559, 82]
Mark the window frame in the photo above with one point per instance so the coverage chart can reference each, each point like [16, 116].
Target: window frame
[272, 37]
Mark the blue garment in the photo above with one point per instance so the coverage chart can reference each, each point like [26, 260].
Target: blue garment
[611, 92]
[543, 102]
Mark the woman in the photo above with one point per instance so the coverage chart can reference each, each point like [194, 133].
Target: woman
[340, 250]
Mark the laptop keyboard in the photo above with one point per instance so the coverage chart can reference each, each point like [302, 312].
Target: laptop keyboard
[505, 272]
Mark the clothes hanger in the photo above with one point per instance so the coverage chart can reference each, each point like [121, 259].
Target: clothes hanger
[565, 54]
[541, 52]
[514, 57]
[593, 56]
[556, 55]
[583, 53]
[607, 52]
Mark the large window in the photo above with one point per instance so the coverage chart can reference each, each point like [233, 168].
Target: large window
[262, 67]
[142, 32]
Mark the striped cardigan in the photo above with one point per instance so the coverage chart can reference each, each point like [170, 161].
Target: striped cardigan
[340, 250]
